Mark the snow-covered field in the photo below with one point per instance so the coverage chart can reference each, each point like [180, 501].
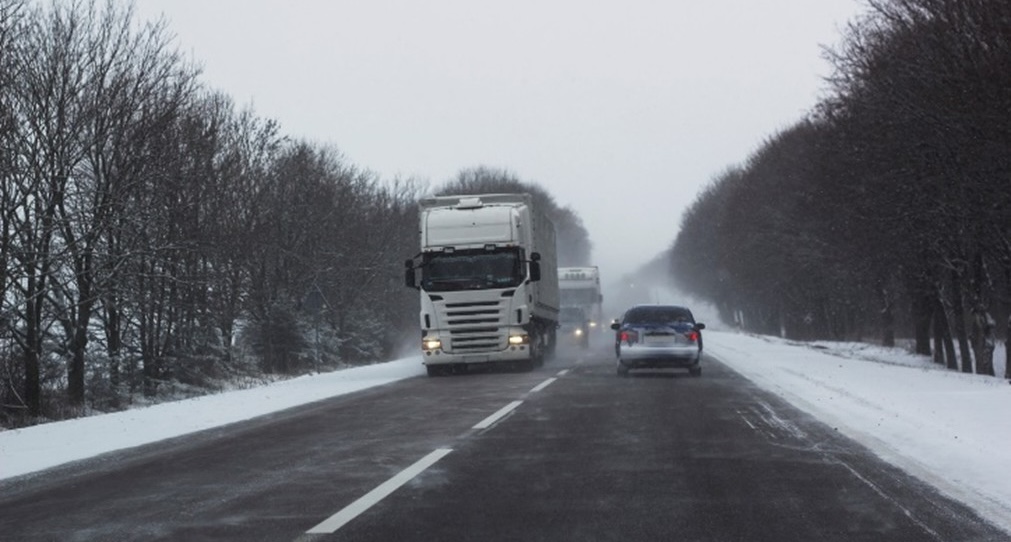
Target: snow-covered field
[950, 429]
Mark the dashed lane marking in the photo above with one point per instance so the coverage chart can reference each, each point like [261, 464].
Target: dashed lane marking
[487, 422]
[353, 510]
[543, 385]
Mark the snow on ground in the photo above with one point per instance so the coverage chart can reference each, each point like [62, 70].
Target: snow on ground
[42, 446]
[950, 429]
[947, 428]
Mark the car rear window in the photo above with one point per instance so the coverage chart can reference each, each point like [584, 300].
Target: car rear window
[658, 315]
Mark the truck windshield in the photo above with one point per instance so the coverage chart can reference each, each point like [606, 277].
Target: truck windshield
[471, 270]
[578, 296]
[571, 315]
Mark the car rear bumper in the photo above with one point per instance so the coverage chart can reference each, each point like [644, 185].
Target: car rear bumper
[684, 357]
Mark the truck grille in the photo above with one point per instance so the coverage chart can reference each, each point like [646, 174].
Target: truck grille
[476, 326]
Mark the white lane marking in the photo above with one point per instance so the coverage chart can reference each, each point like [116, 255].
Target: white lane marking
[543, 385]
[563, 372]
[486, 423]
[889, 498]
[773, 419]
[366, 501]
[745, 418]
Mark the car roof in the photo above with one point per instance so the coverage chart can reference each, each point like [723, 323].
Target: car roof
[658, 307]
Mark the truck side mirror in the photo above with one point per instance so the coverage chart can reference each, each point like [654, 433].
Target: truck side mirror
[535, 266]
[535, 270]
[409, 274]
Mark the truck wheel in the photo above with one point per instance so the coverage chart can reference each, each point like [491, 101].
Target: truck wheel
[538, 349]
[435, 370]
[553, 347]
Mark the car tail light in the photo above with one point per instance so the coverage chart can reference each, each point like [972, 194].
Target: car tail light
[693, 336]
[629, 337]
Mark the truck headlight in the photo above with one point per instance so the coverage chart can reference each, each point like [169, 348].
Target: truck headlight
[431, 344]
[519, 339]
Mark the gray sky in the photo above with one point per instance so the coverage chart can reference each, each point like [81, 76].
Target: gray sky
[622, 110]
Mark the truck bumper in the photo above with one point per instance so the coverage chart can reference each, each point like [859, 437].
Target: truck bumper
[513, 353]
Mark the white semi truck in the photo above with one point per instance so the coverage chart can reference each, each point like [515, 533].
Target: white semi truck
[488, 277]
[579, 288]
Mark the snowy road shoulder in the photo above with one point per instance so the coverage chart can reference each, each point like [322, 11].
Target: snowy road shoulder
[32, 449]
[946, 428]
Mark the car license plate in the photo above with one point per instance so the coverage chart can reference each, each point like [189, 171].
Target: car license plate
[659, 339]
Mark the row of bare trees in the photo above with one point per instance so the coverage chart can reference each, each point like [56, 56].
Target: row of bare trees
[888, 211]
[157, 239]
[150, 230]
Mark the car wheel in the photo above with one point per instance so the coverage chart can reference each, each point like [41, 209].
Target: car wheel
[695, 371]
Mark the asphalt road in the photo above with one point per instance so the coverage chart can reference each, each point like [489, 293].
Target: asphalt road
[569, 451]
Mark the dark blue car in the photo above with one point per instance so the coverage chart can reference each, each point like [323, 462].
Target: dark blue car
[658, 336]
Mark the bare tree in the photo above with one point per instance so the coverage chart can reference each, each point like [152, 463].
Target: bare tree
[329, 238]
[132, 81]
[136, 203]
[12, 13]
[894, 195]
[48, 104]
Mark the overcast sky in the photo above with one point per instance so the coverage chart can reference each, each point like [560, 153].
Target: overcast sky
[622, 110]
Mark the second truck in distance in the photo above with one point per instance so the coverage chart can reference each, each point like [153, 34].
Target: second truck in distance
[581, 303]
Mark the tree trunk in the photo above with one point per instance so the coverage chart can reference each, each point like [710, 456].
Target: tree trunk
[942, 336]
[79, 345]
[1007, 327]
[1007, 350]
[983, 327]
[949, 345]
[887, 320]
[939, 325]
[921, 320]
[75, 373]
[958, 309]
[147, 331]
[113, 346]
[33, 388]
